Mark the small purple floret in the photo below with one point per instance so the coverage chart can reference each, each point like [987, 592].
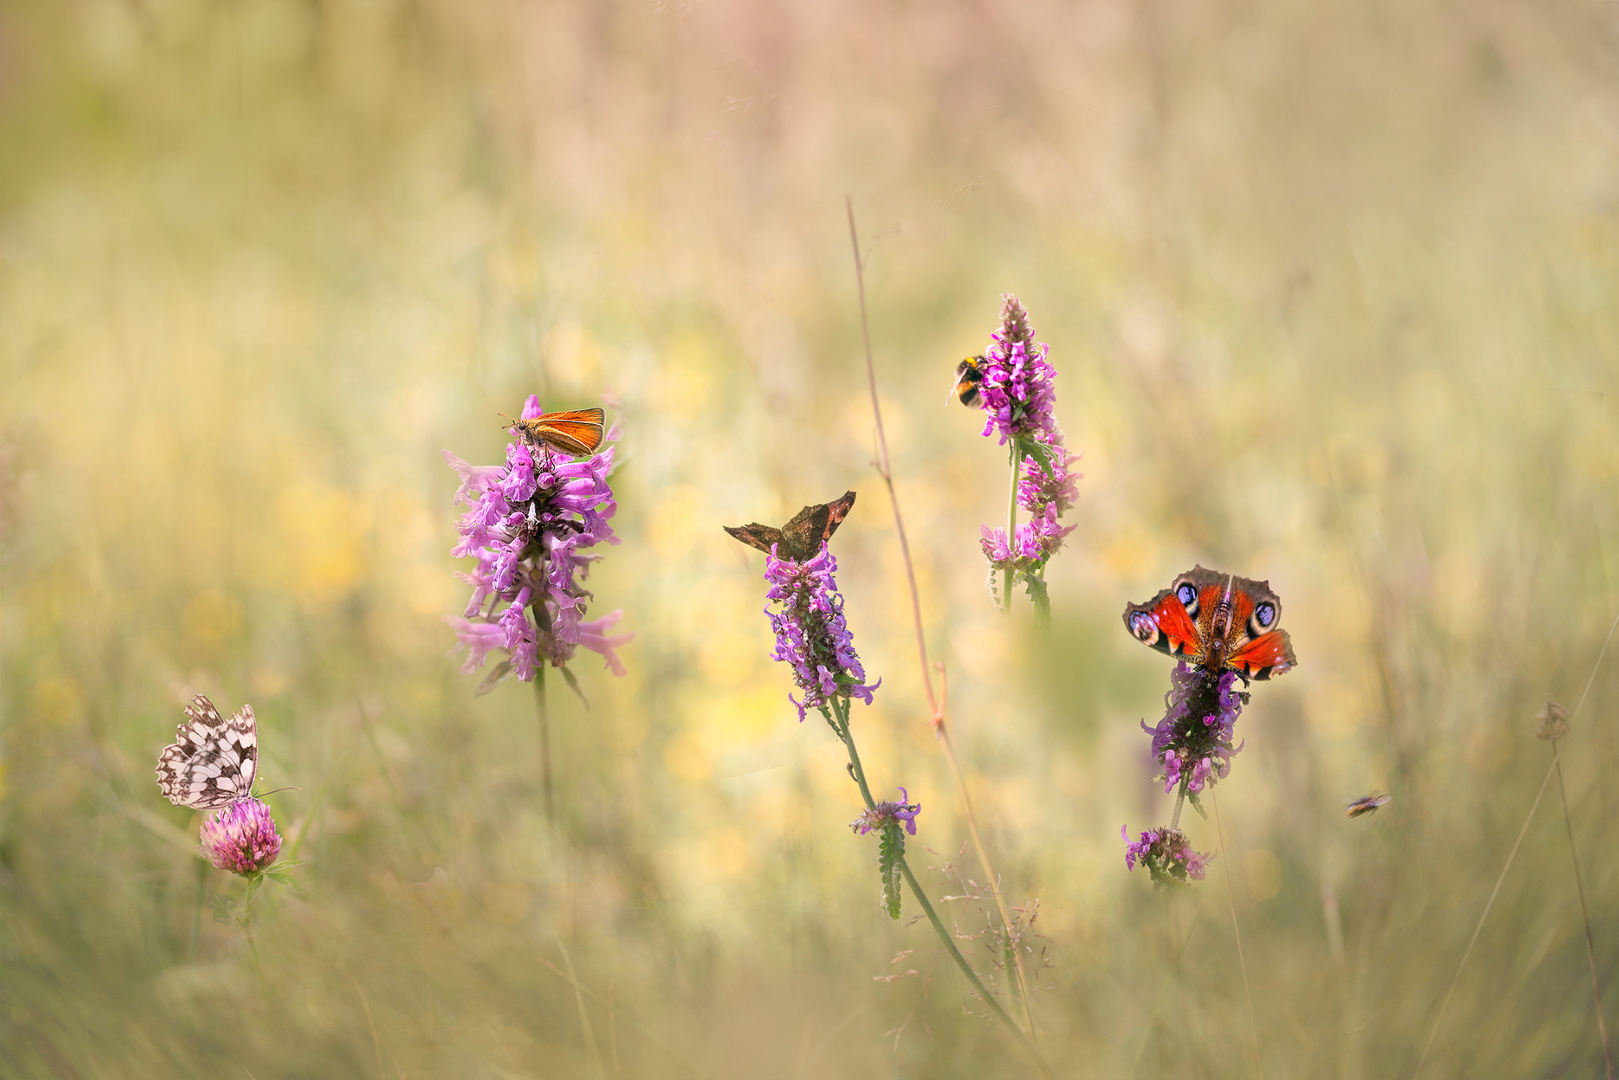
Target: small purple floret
[1167, 854]
[529, 526]
[241, 838]
[884, 812]
[811, 633]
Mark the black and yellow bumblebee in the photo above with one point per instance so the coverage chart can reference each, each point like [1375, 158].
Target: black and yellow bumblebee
[969, 373]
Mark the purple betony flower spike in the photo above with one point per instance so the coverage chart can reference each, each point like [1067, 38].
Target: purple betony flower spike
[1194, 739]
[811, 633]
[1017, 393]
[241, 838]
[529, 526]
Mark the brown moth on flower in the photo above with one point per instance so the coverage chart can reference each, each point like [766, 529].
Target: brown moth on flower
[801, 537]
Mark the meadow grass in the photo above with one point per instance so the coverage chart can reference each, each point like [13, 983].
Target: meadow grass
[1331, 294]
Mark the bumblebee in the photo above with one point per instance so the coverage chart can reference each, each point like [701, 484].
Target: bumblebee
[969, 373]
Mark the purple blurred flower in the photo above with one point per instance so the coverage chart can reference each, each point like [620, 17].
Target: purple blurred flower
[880, 815]
[811, 634]
[1017, 393]
[1167, 854]
[529, 527]
[1192, 743]
[241, 838]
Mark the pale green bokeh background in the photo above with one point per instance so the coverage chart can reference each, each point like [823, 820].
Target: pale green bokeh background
[1330, 289]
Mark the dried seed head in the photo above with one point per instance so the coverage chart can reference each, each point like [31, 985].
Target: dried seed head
[1551, 722]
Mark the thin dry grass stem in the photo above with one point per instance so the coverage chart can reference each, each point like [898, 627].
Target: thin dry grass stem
[592, 1051]
[1445, 1004]
[1585, 914]
[826, 1040]
[382, 760]
[612, 1027]
[300, 831]
[1253, 1017]
[839, 717]
[376, 1043]
[650, 1035]
[1152, 1017]
[1556, 757]
[935, 704]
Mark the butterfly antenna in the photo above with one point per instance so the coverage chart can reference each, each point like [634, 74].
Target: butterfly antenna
[266, 794]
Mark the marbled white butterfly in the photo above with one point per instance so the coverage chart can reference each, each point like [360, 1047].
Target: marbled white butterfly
[213, 760]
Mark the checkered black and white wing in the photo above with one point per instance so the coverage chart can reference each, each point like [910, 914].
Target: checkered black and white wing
[212, 760]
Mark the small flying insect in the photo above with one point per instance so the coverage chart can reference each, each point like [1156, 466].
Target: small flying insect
[574, 432]
[1366, 804]
[969, 374]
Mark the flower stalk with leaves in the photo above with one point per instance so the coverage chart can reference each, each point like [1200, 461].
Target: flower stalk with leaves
[1016, 389]
[1192, 746]
[813, 637]
[891, 821]
[530, 527]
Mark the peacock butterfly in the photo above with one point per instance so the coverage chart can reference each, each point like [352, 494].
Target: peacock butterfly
[1217, 621]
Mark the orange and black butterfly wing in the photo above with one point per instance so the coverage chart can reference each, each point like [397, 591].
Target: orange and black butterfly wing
[1163, 623]
[1265, 656]
[1180, 621]
[577, 431]
[758, 536]
[815, 524]
[1256, 648]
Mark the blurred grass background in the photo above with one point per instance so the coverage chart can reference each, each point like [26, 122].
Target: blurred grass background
[1331, 292]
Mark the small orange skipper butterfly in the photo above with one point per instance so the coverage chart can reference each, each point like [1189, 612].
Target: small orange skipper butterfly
[575, 432]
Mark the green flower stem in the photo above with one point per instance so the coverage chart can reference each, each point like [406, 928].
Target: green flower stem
[1011, 521]
[545, 739]
[1180, 801]
[840, 708]
[196, 914]
[253, 950]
